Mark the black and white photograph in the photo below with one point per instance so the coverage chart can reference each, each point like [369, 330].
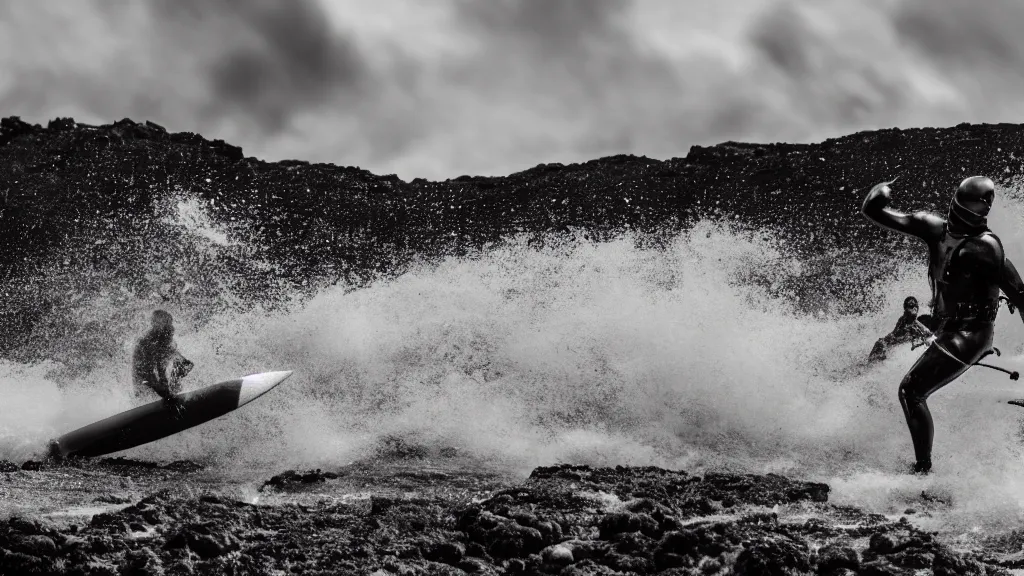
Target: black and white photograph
[512, 287]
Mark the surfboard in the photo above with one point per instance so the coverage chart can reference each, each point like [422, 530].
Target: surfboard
[156, 420]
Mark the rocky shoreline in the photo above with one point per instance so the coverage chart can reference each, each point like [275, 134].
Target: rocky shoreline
[567, 520]
[89, 216]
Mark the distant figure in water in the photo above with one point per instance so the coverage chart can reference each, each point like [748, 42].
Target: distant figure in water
[909, 328]
[966, 269]
[155, 354]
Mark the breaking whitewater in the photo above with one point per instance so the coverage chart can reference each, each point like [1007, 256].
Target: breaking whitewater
[491, 376]
[421, 403]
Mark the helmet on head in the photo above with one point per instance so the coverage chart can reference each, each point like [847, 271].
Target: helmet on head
[909, 301]
[968, 210]
[162, 319]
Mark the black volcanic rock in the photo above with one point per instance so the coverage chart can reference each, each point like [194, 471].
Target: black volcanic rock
[290, 478]
[563, 520]
[88, 208]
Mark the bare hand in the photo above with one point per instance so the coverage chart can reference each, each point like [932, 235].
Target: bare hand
[883, 189]
[880, 195]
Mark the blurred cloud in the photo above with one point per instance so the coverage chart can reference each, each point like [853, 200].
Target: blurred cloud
[493, 86]
[964, 33]
[271, 57]
[977, 46]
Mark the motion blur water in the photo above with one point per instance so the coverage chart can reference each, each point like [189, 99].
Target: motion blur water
[583, 353]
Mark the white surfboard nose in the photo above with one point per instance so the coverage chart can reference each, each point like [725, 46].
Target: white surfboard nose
[256, 385]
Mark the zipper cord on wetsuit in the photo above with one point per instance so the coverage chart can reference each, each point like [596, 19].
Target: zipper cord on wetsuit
[1014, 375]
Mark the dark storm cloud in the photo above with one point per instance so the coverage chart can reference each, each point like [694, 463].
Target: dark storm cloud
[826, 81]
[558, 27]
[961, 32]
[272, 58]
[225, 68]
[556, 45]
[978, 49]
[782, 35]
[576, 58]
[494, 86]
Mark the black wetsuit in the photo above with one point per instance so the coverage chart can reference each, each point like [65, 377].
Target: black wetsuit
[966, 273]
[154, 354]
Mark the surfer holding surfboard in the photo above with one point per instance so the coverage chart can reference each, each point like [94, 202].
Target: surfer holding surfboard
[154, 353]
[157, 368]
[967, 269]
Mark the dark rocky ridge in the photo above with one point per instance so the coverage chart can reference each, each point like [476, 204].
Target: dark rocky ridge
[88, 202]
[86, 206]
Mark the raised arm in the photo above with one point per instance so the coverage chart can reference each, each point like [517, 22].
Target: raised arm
[875, 209]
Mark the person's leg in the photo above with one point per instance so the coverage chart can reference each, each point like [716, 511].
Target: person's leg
[933, 370]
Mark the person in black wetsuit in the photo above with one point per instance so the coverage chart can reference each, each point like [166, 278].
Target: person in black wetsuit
[155, 354]
[966, 269]
[909, 327]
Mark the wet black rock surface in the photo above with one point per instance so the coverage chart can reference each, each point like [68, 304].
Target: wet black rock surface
[292, 478]
[561, 520]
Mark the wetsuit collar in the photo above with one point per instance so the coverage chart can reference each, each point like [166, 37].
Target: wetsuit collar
[970, 232]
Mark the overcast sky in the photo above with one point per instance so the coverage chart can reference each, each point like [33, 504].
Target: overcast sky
[440, 88]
